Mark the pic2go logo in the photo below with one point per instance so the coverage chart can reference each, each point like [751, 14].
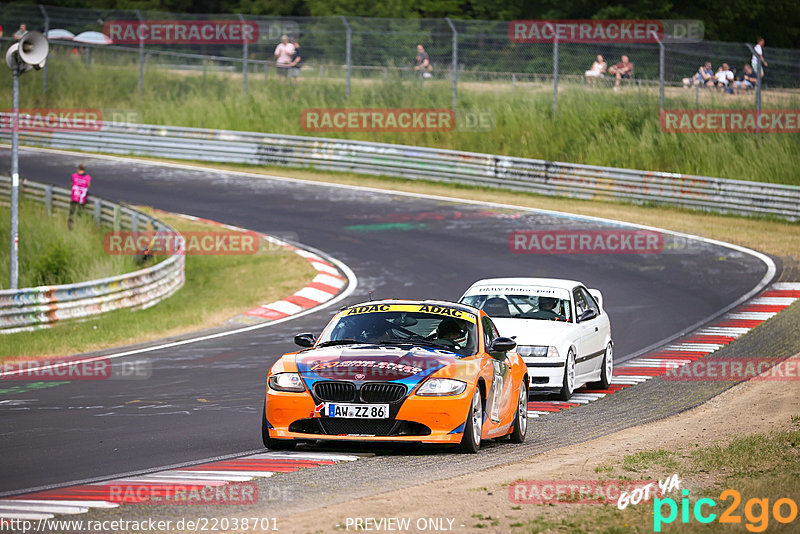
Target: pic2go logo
[756, 511]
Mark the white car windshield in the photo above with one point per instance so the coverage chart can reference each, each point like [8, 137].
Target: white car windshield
[404, 327]
[521, 306]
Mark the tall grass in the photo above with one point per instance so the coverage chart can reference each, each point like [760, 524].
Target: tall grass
[596, 126]
[51, 254]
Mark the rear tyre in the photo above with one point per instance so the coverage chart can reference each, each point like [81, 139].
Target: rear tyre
[568, 384]
[521, 422]
[471, 441]
[271, 443]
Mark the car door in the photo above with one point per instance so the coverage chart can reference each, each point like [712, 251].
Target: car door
[583, 336]
[596, 330]
[498, 395]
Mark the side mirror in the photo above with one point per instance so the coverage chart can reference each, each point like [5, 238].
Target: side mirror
[305, 340]
[502, 344]
[587, 315]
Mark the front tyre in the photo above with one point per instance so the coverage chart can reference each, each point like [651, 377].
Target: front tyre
[521, 422]
[568, 384]
[471, 441]
[607, 373]
[271, 443]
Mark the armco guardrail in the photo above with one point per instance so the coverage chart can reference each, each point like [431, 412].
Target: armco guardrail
[38, 307]
[531, 175]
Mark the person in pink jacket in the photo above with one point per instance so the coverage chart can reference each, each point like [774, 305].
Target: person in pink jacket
[80, 187]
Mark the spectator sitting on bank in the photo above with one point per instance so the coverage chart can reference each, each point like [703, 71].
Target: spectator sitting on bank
[747, 81]
[597, 70]
[703, 76]
[725, 78]
[284, 52]
[423, 62]
[623, 69]
[20, 33]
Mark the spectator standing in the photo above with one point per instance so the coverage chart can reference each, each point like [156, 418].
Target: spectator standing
[1, 31]
[20, 33]
[80, 187]
[297, 59]
[747, 81]
[623, 69]
[759, 49]
[597, 70]
[283, 53]
[423, 62]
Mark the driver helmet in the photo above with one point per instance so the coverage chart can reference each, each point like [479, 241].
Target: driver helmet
[548, 304]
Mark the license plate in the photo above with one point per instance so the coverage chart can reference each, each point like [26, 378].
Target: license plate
[357, 411]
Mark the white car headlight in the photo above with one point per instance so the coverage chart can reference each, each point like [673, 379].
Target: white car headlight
[537, 351]
[441, 387]
[286, 382]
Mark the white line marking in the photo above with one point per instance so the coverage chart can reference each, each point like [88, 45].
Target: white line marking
[67, 502]
[752, 316]
[54, 508]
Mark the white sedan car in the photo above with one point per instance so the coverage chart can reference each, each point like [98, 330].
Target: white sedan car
[562, 332]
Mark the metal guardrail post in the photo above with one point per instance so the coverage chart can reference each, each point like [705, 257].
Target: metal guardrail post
[141, 53]
[48, 200]
[134, 222]
[348, 58]
[115, 224]
[98, 212]
[46, 29]
[244, 56]
[455, 62]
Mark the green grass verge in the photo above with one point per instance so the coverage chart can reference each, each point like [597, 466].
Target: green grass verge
[757, 466]
[51, 254]
[217, 288]
[595, 126]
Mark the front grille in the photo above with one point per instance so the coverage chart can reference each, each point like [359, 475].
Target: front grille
[372, 427]
[382, 392]
[335, 391]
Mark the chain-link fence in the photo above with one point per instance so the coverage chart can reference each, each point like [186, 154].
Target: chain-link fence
[467, 54]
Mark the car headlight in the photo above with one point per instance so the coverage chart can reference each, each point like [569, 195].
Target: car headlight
[441, 386]
[537, 351]
[286, 382]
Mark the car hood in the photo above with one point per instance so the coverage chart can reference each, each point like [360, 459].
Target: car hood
[535, 331]
[374, 363]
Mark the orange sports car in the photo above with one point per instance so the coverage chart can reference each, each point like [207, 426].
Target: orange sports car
[399, 370]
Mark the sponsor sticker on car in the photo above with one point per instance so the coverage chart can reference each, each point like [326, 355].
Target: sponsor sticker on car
[423, 308]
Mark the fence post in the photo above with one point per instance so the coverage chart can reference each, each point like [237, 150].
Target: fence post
[46, 29]
[758, 85]
[244, 55]
[555, 72]
[48, 199]
[455, 62]
[98, 212]
[660, 75]
[347, 53]
[141, 53]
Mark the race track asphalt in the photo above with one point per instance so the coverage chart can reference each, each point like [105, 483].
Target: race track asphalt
[204, 399]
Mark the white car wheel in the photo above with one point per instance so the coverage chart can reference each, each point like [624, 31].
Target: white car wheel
[568, 384]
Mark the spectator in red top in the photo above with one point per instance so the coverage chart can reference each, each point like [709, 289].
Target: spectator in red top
[80, 187]
[623, 69]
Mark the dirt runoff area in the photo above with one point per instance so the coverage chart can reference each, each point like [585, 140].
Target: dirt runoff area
[480, 502]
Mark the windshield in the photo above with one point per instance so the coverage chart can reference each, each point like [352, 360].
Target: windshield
[444, 328]
[522, 306]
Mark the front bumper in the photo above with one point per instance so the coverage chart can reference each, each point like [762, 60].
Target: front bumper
[441, 419]
[545, 372]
